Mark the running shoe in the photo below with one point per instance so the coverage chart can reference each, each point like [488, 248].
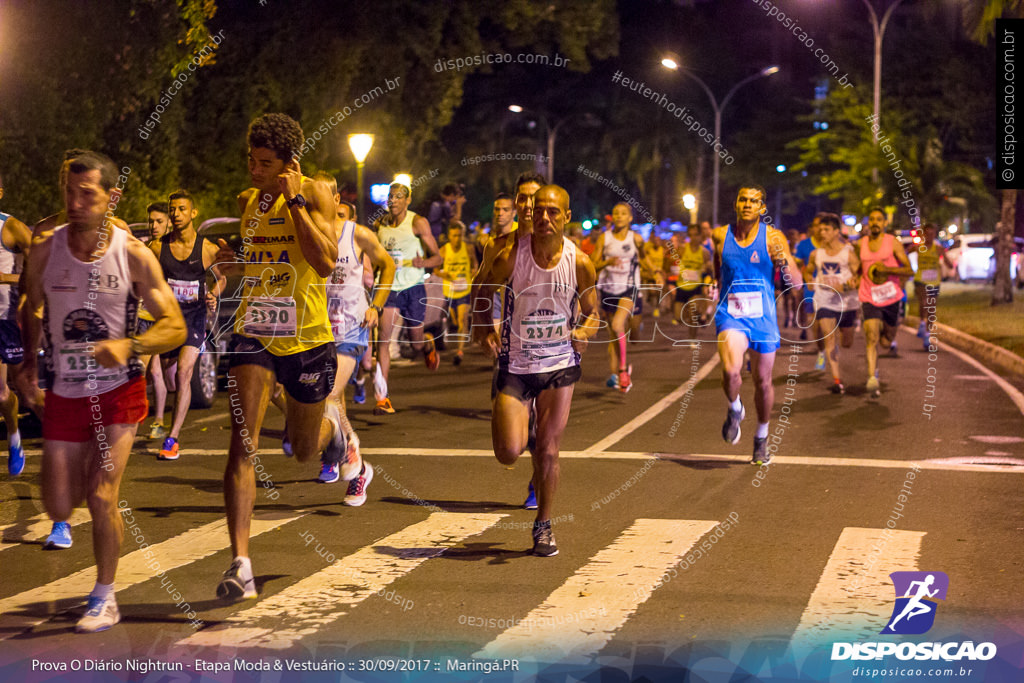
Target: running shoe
[170, 449]
[384, 407]
[922, 329]
[819, 364]
[329, 473]
[926, 341]
[286, 443]
[15, 460]
[236, 584]
[731, 426]
[100, 614]
[59, 538]
[359, 395]
[613, 382]
[543, 540]
[625, 379]
[531, 499]
[874, 387]
[457, 360]
[356, 494]
[353, 463]
[761, 455]
[430, 357]
[157, 430]
[838, 388]
[894, 349]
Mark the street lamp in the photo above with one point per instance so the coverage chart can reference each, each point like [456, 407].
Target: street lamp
[670, 62]
[552, 133]
[879, 29]
[690, 204]
[360, 144]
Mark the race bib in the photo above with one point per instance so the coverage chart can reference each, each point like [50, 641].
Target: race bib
[691, 276]
[931, 275]
[459, 285]
[674, 269]
[396, 256]
[884, 294]
[185, 291]
[270, 316]
[335, 307]
[544, 335]
[77, 364]
[745, 305]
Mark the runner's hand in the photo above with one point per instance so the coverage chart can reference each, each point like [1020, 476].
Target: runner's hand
[490, 344]
[112, 353]
[370, 319]
[580, 340]
[290, 181]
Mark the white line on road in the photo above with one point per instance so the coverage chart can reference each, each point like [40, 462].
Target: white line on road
[36, 528]
[210, 418]
[583, 614]
[133, 568]
[854, 596]
[305, 607]
[652, 412]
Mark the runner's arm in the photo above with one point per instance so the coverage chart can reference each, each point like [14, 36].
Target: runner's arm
[808, 271]
[380, 260]
[18, 238]
[314, 223]
[586, 283]
[421, 228]
[778, 248]
[904, 270]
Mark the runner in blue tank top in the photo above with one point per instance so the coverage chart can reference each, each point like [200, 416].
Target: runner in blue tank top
[745, 259]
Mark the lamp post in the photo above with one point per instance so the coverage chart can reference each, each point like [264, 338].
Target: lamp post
[690, 204]
[670, 63]
[360, 144]
[879, 28]
[552, 134]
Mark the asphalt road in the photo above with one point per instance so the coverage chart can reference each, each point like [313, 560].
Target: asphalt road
[674, 550]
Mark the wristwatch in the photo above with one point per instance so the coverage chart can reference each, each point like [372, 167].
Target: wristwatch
[379, 309]
[298, 200]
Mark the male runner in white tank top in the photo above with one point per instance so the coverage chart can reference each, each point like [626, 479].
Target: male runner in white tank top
[542, 337]
[15, 240]
[83, 285]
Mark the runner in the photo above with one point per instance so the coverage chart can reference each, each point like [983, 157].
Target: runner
[882, 263]
[539, 351]
[158, 226]
[694, 264]
[617, 258]
[459, 265]
[185, 258]
[352, 320]
[347, 212]
[654, 250]
[15, 240]
[806, 310]
[504, 223]
[833, 268]
[78, 295]
[745, 260]
[282, 331]
[407, 238]
[927, 280]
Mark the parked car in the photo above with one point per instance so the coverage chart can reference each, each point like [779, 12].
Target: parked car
[974, 257]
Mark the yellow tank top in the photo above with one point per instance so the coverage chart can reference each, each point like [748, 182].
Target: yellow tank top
[928, 271]
[655, 255]
[284, 301]
[691, 264]
[456, 264]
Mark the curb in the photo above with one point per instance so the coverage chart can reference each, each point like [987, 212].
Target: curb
[994, 356]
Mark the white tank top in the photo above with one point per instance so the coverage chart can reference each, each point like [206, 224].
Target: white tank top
[346, 296]
[403, 245]
[540, 313]
[87, 303]
[10, 262]
[833, 271]
[619, 278]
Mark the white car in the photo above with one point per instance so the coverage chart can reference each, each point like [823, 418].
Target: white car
[975, 258]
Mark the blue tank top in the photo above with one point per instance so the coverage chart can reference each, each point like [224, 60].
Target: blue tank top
[747, 297]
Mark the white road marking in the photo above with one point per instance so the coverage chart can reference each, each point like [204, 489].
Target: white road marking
[1015, 395]
[210, 418]
[652, 412]
[854, 596]
[133, 568]
[996, 439]
[583, 614]
[970, 378]
[305, 607]
[35, 528]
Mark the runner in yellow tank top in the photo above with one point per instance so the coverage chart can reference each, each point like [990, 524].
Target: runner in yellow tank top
[930, 256]
[457, 273]
[289, 247]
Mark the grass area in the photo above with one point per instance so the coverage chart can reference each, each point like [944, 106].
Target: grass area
[966, 307]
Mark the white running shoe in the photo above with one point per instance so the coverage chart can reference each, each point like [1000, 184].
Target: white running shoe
[100, 614]
[236, 583]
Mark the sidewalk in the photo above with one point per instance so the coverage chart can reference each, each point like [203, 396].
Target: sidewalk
[992, 334]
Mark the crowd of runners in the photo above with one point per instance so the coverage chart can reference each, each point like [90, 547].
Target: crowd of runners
[322, 297]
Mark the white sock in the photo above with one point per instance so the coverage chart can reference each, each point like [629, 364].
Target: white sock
[246, 565]
[762, 430]
[736, 405]
[14, 440]
[102, 590]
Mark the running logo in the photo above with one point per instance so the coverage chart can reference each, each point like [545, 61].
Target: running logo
[914, 613]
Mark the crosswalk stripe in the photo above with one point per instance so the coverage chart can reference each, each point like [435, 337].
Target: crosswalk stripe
[306, 606]
[584, 613]
[854, 596]
[35, 528]
[133, 568]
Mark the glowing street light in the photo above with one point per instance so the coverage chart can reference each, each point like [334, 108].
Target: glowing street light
[689, 202]
[404, 179]
[515, 109]
[360, 144]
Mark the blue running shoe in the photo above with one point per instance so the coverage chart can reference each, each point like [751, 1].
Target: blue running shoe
[16, 461]
[59, 538]
[359, 395]
[613, 382]
[819, 364]
[531, 499]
